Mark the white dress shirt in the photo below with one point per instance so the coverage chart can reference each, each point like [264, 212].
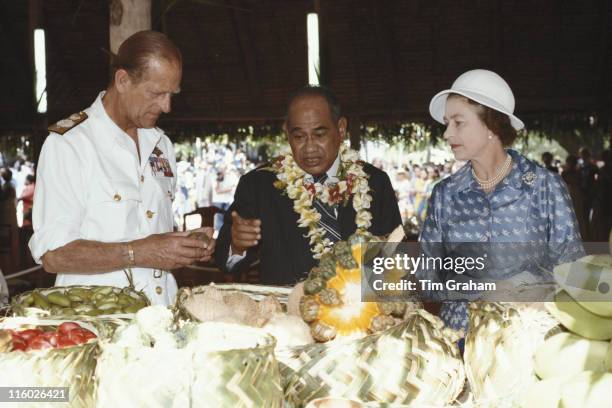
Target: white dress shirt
[92, 186]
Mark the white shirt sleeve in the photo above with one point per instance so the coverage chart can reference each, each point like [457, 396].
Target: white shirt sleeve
[59, 196]
[233, 258]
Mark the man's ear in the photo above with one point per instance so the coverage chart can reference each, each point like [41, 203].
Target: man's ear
[285, 129]
[122, 80]
[342, 124]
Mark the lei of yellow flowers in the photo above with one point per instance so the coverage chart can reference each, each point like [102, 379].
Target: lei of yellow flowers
[353, 182]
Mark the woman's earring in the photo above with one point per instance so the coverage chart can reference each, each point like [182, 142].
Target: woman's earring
[490, 136]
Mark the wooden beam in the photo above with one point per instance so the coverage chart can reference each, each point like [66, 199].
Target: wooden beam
[126, 18]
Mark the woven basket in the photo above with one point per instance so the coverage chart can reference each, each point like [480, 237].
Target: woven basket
[71, 367]
[500, 348]
[190, 376]
[258, 292]
[20, 307]
[238, 378]
[255, 292]
[416, 362]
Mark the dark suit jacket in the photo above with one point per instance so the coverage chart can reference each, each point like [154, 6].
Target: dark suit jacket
[284, 251]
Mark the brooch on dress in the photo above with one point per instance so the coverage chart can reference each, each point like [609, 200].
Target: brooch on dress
[529, 178]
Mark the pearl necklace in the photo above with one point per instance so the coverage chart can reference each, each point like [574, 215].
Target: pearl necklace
[492, 182]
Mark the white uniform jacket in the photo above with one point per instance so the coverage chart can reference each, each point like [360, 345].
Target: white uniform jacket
[90, 185]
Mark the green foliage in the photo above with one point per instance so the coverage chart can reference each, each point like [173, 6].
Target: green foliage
[16, 145]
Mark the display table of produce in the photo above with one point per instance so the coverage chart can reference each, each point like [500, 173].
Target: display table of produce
[313, 345]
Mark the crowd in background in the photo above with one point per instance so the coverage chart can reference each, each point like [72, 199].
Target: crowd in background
[17, 183]
[209, 177]
[589, 182]
[212, 176]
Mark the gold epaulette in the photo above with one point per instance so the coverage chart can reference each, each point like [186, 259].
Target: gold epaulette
[65, 125]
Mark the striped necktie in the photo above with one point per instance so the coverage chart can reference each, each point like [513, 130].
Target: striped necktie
[329, 219]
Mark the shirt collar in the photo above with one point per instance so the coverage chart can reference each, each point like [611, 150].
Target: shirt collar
[518, 177]
[332, 172]
[147, 138]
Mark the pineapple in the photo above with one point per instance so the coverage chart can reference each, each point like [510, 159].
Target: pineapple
[332, 303]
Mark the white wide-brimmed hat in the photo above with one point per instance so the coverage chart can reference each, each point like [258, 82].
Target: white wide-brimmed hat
[482, 86]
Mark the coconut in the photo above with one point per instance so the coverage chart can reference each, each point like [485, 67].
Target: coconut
[566, 354]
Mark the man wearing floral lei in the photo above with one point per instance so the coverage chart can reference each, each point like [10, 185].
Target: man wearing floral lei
[292, 209]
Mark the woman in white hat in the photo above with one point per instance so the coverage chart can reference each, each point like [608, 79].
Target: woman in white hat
[498, 197]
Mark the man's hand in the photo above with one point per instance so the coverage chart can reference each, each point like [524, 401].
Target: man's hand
[171, 250]
[211, 242]
[246, 233]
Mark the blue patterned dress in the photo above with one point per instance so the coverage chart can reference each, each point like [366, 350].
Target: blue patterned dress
[531, 206]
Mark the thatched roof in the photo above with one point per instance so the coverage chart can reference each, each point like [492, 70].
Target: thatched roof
[384, 59]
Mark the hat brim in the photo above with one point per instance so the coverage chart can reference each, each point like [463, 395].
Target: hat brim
[438, 105]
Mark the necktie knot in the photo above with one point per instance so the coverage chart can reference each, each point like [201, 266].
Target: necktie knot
[320, 178]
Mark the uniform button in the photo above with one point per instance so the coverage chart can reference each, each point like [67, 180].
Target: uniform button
[158, 290]
[150, 214]
[169, 194]
[142, 179]
[117, 197]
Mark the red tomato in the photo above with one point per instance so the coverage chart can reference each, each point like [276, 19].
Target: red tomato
[19, 344]
[77, 336]
[64, 341]
[67, 326]
[88, 334]
[51, 337]
[39, 343]
[29, 334]
[16, 335]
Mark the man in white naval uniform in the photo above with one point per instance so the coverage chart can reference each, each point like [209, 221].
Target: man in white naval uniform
[106, 180]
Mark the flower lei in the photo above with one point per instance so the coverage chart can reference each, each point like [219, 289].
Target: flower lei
[353, 182]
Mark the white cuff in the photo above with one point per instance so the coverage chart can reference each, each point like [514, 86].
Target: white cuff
[233, 259]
